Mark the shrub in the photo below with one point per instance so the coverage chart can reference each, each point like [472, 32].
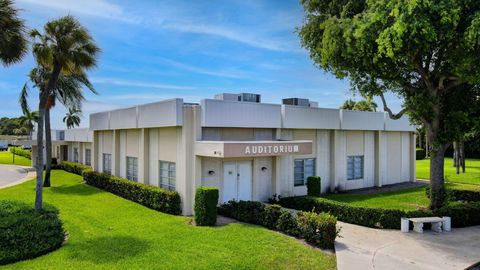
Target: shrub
[152, 197]
[270, 215]
[21, 152]
[314, 228]
[287, 223]
[72, 167]
[313, 186]
[206, 200]
[459, 194]
[420, 153]
[317, 229]
[365, 216]
[463, 214]
[26, 233]
[246, 211]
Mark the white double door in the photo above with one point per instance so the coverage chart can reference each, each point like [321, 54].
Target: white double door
[237, 180]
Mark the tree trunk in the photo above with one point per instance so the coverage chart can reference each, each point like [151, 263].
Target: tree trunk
[39, 182]
[48, 148]
[427, 147]
[437, 180]
[462, 155]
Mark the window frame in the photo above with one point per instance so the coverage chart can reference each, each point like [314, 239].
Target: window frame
[171, 178]
[109, 171]
[133, 175]
[354, 170]
[304, 173]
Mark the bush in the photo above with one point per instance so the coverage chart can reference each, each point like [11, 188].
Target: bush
[462, 214]
[21, 152]
[206, 200]
[420, 154]
[72, 167]
[287, 223]
[152, 197]
[270, 215]
[313, 186]
[318, 229]
[459, 194]
[365, 216]
[314, 228]
[26, 233]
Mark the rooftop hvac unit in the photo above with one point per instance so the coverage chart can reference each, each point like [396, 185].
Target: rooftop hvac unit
[296, 101]
[248, 97]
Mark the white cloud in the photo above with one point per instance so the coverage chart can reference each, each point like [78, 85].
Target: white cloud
[142, 84]
[94, 8]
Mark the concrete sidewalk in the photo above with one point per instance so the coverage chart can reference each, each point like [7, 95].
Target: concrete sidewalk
[366, 248]
[11, 175]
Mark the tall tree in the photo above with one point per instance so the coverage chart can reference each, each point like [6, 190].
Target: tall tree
[67, 48]
[426, 52]
[13, 45]
[29, 118]
[72, 117]
[366, 105]
[349, 104]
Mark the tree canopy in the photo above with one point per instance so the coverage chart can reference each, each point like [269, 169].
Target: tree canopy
[427, 52]
[13, 45]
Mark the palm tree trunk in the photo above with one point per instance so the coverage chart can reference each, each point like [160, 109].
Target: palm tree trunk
[39, 182]
[48, 148]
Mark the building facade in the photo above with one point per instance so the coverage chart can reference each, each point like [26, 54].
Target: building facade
[248, 149]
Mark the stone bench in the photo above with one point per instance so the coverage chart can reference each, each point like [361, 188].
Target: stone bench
[437, 224]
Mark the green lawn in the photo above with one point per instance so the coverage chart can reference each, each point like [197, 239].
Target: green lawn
[7, 158]
[407, 199]
[471, 175]
[108, 232]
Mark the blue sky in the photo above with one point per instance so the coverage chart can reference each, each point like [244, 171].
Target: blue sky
[153, 50]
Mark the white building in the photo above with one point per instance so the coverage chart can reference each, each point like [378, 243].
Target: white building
[249, 150]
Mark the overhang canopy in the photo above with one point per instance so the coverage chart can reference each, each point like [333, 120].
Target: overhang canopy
[231, 149]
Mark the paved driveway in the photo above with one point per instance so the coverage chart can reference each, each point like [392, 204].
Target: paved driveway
[366, 248]
[10, 174]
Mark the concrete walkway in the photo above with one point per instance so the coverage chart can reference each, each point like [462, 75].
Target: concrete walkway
[11, 175]
[366, 248]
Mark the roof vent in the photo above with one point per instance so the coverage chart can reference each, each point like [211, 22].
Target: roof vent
[245, 97]
[296, 102]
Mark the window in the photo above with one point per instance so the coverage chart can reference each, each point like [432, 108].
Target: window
[75, 154]
[354, 167]
[167, 175]
[132, 168]
[302, 170]
[88, 157]
[107, 163]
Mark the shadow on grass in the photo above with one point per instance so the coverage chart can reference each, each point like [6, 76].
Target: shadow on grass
[108, 249]
[81, 190]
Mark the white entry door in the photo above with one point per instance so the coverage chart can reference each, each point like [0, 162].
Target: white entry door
[237, 180]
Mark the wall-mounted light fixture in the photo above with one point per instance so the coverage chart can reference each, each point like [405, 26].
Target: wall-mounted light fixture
[211, 172]
[264, 169]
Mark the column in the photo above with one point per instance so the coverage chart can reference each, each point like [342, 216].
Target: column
[143, 162]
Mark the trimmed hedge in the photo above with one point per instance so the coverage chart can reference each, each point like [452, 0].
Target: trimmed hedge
[317, 229]
[459, 194]
[313, 185]
[420, 154]
[206, 200]
[21, 152]
[26, 233]
[152, 197]
[463, 214]
[72, 167]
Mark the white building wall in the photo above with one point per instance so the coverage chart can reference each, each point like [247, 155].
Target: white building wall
[323, 158]
[262, 179]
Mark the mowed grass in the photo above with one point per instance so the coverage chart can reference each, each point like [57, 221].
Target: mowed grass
[108, 232]
[406, 199]
[471, 175]
[7, 158]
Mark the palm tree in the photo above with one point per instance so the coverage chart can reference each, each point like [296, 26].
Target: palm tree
[68, 92]
[72, 118]
[64, 49]
[13, 45]
[367, 105]
[29, 118]
[349, 104]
